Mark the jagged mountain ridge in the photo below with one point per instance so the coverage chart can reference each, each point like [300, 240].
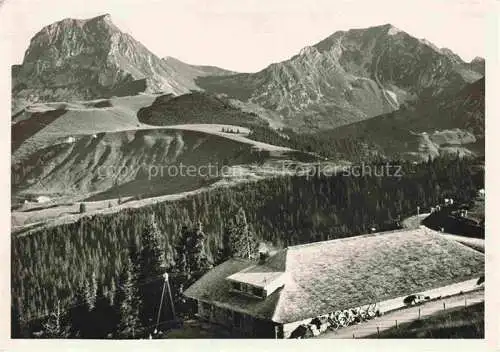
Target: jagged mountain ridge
[478, 64]
[87, 59]
[349, 76]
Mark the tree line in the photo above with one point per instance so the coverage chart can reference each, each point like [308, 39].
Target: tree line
[130, 307]
[52, 267]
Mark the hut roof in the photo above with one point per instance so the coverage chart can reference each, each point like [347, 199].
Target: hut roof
[322, 277]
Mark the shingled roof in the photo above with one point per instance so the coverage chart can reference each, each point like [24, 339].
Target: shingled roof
[322, 277]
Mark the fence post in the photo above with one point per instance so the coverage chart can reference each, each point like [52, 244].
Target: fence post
[353, 336]
[465, 302]
[444, 306]
[378, 331]
[396, 323]
[419, 313]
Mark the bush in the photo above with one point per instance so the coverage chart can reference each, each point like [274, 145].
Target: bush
[83, 208]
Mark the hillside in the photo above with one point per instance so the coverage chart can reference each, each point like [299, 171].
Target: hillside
[196, 107]
[462, 323]
[43, 124]
[437, 126]
[88, 59]
[53, 262]
[134, 163]
[350, 76]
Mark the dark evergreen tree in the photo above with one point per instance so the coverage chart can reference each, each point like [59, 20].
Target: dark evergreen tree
[243, 240]
[128, 325]
[196, 255]
[227, 249]
[92, 291]
[191, 257]
[15, 321]
[56, 326]
[104, 317]
[150, 268]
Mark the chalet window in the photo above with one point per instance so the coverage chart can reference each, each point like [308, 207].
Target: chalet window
[258, 291]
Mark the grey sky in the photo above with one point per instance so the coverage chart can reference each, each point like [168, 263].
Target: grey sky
[247, 35]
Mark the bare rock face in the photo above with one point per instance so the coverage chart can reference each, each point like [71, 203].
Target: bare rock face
[349, 76]
[449, 124]
[477, 64]
[86, 59]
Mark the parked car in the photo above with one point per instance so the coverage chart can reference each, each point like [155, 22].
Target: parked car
[415, 299]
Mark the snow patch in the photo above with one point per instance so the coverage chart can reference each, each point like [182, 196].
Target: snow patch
[393, 30]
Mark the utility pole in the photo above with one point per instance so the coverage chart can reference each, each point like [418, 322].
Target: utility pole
[165, 276]
[170, 295]
[166, 286]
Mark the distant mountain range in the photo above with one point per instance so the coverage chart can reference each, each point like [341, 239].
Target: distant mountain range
[351, 76]
[397, 94]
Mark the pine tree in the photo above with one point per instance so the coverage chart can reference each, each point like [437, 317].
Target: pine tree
[181, 248]
[197, 257]
[93, 290]
[243, 239]
[55, 326]
[227, 250]
[191, 258]
[128, 324]
[15, 321]
[150, 268]
[90, 292]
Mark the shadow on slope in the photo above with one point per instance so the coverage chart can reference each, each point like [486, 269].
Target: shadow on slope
[130, 163]
[24, 129]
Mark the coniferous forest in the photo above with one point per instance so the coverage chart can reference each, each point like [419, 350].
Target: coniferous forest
[101, 276]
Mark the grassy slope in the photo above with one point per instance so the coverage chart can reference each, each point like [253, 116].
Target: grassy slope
[41, 132]
[44, 124]
[457, 323]
[91, 165]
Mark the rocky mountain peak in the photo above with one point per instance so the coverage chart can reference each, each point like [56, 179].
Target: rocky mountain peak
[478, 65]
[70, 37]
[79, 59]
[392, 30]
[477, 59]
[350, 76]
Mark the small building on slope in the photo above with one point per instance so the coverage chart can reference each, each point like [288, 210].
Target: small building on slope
[296, 285]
